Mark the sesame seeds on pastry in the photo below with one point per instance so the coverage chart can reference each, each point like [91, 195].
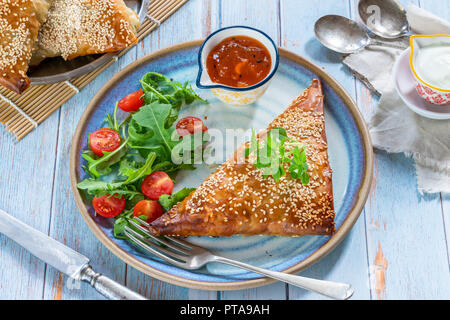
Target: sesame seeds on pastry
[19, 24]
[81, 27]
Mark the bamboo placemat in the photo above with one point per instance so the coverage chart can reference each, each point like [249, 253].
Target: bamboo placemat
[22, 113]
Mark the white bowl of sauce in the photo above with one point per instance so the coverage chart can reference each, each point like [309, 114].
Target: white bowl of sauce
[430, 64]
[237, 64]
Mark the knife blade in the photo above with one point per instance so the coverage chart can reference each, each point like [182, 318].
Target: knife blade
[54, 253]
[62, 258]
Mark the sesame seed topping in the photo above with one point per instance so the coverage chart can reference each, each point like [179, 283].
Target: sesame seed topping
[82, 27]
[19, 26]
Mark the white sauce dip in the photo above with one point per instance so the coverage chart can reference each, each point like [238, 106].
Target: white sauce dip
[432, 65]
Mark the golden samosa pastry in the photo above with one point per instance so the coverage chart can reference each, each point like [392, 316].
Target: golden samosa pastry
[237, 199]
[20, 21]
[77, 28]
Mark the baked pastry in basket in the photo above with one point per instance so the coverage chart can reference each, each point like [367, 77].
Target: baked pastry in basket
[82, 27]
[237, 199]
[19, 25]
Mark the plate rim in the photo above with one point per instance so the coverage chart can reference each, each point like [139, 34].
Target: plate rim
[346, 226]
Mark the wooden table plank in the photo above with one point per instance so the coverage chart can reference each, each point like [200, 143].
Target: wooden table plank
[405, 232]
[446, 218]
[26, 179]
[442, 9]
[348, 262]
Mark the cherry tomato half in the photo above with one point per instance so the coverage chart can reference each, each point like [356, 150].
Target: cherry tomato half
[157, 184]
[104, 140]
[108, 206]
[190, 125]
[132, 102]
[149, 208]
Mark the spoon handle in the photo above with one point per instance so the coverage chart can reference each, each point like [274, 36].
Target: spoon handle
[387, 44]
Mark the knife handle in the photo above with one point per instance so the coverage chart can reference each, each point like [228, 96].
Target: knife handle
[108, 287]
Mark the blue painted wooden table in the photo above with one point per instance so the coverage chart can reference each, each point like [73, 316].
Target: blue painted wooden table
[398, 249]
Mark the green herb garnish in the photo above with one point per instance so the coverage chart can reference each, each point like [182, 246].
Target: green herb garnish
[272, 155]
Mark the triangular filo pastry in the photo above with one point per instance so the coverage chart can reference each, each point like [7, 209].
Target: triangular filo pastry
[237, 199]
[77, 28]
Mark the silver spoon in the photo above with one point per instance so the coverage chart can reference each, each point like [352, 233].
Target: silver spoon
[343, 35]
[385, 18]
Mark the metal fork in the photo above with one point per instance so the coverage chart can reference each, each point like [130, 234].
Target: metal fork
[188, 256]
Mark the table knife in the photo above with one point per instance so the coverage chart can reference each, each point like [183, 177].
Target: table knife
[62, 258]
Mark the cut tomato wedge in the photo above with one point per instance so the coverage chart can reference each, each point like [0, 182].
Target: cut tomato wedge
[190, 125]
[157, 184]
[132, 102]
[104, 139]
[149, 208]
[108, 206]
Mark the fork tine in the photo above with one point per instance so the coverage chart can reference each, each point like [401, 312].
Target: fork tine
[160, 252]
[164, 242]
[185, 244]
[180, 242]
[153, 251]
[145, 223]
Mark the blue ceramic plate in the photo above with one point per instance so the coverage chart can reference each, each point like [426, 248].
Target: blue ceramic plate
[350, 154]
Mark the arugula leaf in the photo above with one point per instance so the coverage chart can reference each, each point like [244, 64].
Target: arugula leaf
[136, 174]
[159, 88]
[153, 117]
[137, 133]
[111, 121]
[101, 166]
[169, 90]
[128, 194]
[168, 201]
[122, 221]
[127, 166]
[94, 187]
[131, 203]
[120, 224]
[99, 187]
[132, 162]
[165, 142]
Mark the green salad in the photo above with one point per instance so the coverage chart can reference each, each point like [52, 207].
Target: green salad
[131, 163]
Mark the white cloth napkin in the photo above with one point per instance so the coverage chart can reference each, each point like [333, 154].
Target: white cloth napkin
[393, 126]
